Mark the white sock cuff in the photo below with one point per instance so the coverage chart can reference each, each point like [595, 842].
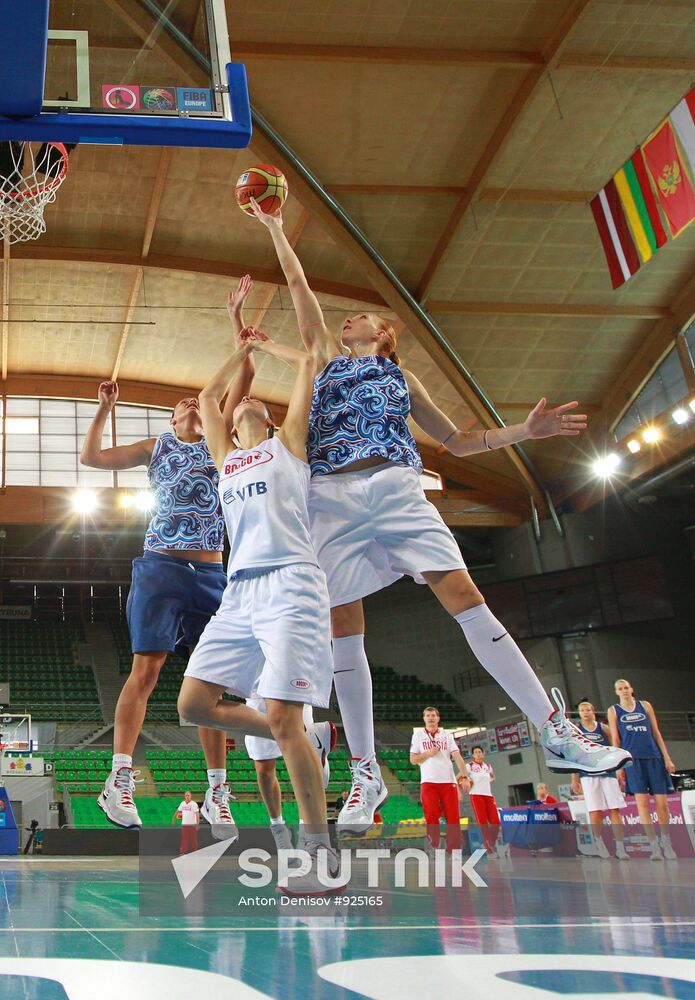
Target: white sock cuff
[472, 614]
[120, 760]
[277, 821]
[217, 776]
[347, 644]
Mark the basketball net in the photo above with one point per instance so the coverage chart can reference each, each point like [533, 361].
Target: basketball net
[29, 180]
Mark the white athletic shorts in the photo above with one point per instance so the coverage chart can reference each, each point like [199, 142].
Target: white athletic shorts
[259, 749]
[601, 793]
[270, 637]
[372, 527]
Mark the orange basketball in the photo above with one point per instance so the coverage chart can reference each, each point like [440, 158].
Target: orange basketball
[266, 184]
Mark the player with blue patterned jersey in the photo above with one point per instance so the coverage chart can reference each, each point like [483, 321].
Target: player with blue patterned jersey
[177, 583]
[634, 727]
[371, 524]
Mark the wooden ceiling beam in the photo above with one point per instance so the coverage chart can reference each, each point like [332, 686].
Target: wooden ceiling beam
[638, 64]
[495, 145]
[542, 196]
[138, 275]
[548, 309]
[396, 55]
[195, 265]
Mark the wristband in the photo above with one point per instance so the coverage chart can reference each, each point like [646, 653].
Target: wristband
[486, 442]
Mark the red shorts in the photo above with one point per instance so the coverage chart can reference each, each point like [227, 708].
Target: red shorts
[485, 809]
[441, 799]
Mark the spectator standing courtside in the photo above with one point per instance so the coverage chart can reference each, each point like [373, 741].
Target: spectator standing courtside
[189, 814]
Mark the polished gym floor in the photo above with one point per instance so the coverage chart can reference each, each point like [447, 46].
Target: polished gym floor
[543, 927]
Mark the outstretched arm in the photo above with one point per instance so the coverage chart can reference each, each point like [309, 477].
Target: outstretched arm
[295, 427]
[318, 340]
[126, 456]
[241, 384]
[540, 423]
[214, 427]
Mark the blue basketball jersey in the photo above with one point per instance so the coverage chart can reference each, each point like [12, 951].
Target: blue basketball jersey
[359, 410]
[187, 512]
[636, 731]
[597, 735]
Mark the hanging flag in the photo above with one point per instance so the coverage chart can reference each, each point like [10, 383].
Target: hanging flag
[672, 184]
[682, 119]
[636, 163]
[615, 235]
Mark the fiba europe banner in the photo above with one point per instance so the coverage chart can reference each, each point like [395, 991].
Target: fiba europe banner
[9, 612]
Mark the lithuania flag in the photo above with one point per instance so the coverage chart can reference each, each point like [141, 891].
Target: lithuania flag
[639, 203]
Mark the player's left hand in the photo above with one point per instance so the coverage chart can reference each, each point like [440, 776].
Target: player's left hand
[544, 423]
[670, 766]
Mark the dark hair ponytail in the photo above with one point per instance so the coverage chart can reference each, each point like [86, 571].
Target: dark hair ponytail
[394, 357]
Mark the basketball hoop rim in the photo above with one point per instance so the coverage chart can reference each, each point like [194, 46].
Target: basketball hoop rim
[54, 183]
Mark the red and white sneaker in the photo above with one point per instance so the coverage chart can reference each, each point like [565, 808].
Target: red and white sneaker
[216, 811]
[323, 736]
[116, 799]
[366, 795]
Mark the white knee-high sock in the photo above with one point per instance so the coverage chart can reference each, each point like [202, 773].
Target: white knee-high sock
[503, 660]
[353, 686]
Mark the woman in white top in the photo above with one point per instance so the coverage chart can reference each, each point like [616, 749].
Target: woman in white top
[271, 635]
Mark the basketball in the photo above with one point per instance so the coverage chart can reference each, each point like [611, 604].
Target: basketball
[266, 184]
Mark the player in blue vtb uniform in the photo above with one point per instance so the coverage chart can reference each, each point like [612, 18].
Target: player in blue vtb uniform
[633, 726]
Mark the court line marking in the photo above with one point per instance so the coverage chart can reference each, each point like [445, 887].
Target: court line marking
[81, 927]
[636, 923]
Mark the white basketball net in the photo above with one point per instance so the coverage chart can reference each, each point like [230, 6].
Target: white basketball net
[30, 176]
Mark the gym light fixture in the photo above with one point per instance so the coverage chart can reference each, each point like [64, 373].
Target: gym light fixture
[680, 415]
[650, 435]
[84, 501]
[605, 467]
[634, 446]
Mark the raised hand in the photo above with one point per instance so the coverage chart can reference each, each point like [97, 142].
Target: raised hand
[107, 395]
[251, 335]
[544, 423]
[273, 221]
[236, 299]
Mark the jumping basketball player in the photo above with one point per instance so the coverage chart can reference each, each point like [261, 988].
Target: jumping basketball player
[633, 726]
[601, 792]
[371, 524]
[270, 637]
[177, 583]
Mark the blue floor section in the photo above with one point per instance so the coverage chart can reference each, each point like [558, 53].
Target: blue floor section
[61, 919]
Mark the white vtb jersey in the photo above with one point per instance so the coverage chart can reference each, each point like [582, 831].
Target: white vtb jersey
[264, 493]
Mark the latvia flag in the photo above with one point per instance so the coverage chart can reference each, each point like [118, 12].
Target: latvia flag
[614, 231]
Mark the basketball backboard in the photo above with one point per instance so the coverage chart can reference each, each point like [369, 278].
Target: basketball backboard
[139, 72]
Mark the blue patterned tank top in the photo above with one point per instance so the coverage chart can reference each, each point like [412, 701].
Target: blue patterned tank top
[359, 410]
[184, 480]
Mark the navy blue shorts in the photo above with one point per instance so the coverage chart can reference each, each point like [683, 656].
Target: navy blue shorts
[647, 775]
[168, 594]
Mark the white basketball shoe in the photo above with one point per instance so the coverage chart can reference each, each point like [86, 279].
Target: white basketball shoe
[324, 860]
[367, 793]
[216, 811]
[116, 799]
[567, 749]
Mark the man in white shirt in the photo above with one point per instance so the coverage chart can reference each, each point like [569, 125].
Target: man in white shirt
[481, 775]
[432, 749]
[189, 814]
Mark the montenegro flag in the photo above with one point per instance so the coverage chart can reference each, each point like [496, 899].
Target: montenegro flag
[670, 176]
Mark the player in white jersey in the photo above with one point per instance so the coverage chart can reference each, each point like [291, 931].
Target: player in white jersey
[270, 637]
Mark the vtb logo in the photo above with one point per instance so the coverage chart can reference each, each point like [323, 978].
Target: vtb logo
[250, 490]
